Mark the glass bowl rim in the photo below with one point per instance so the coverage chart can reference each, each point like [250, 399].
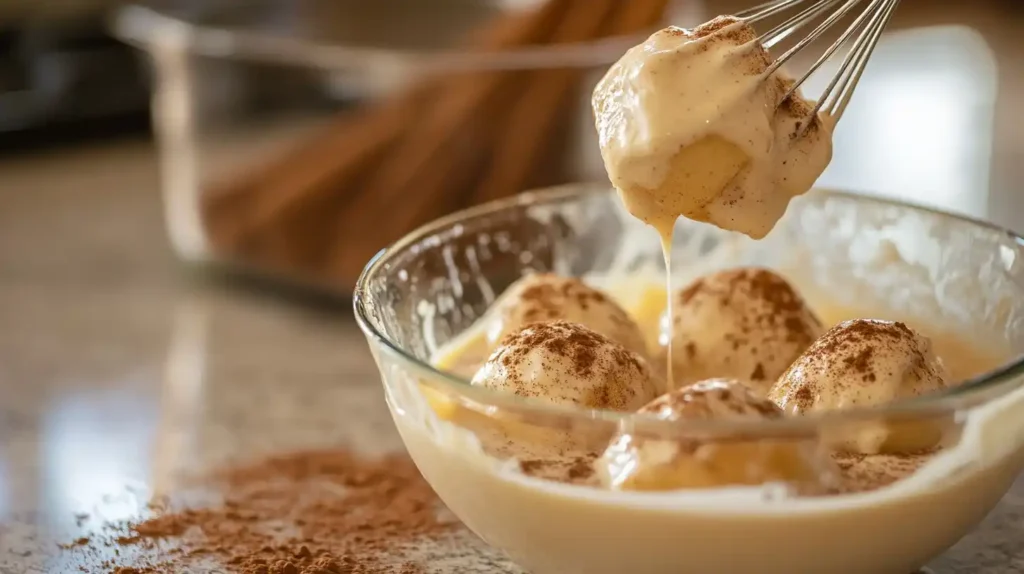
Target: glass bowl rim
[146, 27]
[480, 398]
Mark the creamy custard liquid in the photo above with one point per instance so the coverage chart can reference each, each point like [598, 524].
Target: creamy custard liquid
[691, 125]
[551, 526]
[666, 252]
[963, 359]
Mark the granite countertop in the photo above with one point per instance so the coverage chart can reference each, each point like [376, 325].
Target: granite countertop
[118, 367]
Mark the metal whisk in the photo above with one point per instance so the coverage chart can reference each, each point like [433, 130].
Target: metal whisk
[864, 32]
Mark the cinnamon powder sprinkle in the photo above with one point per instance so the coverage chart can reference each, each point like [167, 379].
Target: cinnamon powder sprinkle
[575, 470]
[729, 29]
[770, 321]
[545, 297]
[863, 473]
[711, 399]
[853, 352]
[778, 302]
[870, 336]
[587, 353]
[319, 512]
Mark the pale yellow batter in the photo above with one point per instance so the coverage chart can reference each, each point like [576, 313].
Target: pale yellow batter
[690, 126]
[962, 359]
[534, 492]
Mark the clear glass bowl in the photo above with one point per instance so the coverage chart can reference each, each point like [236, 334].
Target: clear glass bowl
[907, 262]
[282, 125]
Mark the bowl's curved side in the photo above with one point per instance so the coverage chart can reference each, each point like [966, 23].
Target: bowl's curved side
[554, 531]
[425, 290]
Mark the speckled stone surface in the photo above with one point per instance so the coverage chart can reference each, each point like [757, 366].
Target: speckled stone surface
[118, 369]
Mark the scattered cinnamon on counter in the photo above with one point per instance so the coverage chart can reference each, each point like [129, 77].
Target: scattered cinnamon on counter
[76, 542]
[320, 512]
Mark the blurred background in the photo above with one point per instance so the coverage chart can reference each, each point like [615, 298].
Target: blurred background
[295, 138]
[145, 147]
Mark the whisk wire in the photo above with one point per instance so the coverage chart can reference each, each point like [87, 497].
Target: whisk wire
[767, 9]
[850, 31]
[785, 29]
[863, 47]
[815, 34]
[864, 31]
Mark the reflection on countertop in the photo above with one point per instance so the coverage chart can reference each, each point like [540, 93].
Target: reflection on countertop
[119, 370]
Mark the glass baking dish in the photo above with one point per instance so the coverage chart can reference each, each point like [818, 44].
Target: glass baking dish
[296, 139]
